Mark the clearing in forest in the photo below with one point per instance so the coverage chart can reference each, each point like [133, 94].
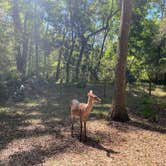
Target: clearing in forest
[37, 132]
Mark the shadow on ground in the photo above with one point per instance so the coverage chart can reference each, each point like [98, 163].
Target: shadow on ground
[51, 117]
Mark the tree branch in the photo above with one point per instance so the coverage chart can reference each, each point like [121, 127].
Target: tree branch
[104, 27]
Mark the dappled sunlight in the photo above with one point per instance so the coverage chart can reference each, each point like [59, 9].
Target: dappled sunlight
[33, 103]
[51, 119]
[35, 113]
[35, 121]
[55, 104]
[137, 89]
[135, 95]
[159, 92]
[25, 144]
[5, 109]
[71, 71]
[39, 132]
[103, 105]
[32, 127]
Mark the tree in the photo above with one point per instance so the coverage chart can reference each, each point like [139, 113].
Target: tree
[119, 111]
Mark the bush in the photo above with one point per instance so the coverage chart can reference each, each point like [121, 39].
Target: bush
[147, 111]
[146, 107]
[130, 78]
[146, 100]
[81, 84]
[3, 92]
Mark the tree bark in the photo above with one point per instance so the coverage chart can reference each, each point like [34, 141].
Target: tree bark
[58, 66]
[150, 87]
[119, 112]
[21, 38]
[101, 51]
[30, 62]
[18, 34]
[25, 45]
[36, 35]
[79, 60]
[69, 59]
[59, 59]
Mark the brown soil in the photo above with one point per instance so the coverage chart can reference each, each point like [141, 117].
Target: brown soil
[39, 134]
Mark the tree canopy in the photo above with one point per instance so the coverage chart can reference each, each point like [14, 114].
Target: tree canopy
[77, 40]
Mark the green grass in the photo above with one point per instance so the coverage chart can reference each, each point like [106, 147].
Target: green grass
[147, 106]
[57, 105]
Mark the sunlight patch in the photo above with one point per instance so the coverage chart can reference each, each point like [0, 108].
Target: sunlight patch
[4, 109]
[159, 92]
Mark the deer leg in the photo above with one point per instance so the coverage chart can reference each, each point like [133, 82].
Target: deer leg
[85, 131]
[80, 129]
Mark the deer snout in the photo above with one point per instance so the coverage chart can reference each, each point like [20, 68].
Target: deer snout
[98, 100]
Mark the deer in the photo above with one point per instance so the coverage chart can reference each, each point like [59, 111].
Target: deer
[82, 110]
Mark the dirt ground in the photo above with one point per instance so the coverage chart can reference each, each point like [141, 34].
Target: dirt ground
[37, 132]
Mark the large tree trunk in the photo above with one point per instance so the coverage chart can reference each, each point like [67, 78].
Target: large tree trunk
[69, 59]
[79, 62]
[58, 68]
[119, 112]
[83, 45]
[36, 35]
[21, 38]
[25, 45]
[18, 34]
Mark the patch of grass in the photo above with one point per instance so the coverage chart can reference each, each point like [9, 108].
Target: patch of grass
[146, 107]
[162, 103]
[146, 100]
[100, 113]
[147, 111]
[33, 103]
[98, 138]
[164, 88]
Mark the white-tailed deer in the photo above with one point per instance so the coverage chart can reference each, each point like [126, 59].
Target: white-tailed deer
[82, 110]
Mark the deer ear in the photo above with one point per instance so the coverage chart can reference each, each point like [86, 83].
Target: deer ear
[91, 92]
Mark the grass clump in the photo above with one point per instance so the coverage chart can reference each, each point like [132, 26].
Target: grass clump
[146, 107]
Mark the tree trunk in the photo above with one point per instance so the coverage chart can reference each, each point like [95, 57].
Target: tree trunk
[59, 59]
[30, 62]
[37, 59]
[150, 87]
[36, 35]
[21, 38]
[58, 66]
[79, 61]
[119, 112]
[101, 51]
[69, 59]
[18, 34]
[25, 45]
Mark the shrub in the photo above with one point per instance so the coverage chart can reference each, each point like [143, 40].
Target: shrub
[3, 92]
[81, 84]
[146, 107]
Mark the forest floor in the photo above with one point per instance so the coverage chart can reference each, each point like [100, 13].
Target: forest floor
[37, 132]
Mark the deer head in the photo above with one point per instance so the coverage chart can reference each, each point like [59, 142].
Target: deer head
[93, 97]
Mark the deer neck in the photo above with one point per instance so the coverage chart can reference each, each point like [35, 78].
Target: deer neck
[89, 105]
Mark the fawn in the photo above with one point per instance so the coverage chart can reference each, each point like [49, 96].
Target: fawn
[82, 110]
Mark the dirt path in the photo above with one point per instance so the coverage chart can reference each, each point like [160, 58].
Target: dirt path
[38, 133]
